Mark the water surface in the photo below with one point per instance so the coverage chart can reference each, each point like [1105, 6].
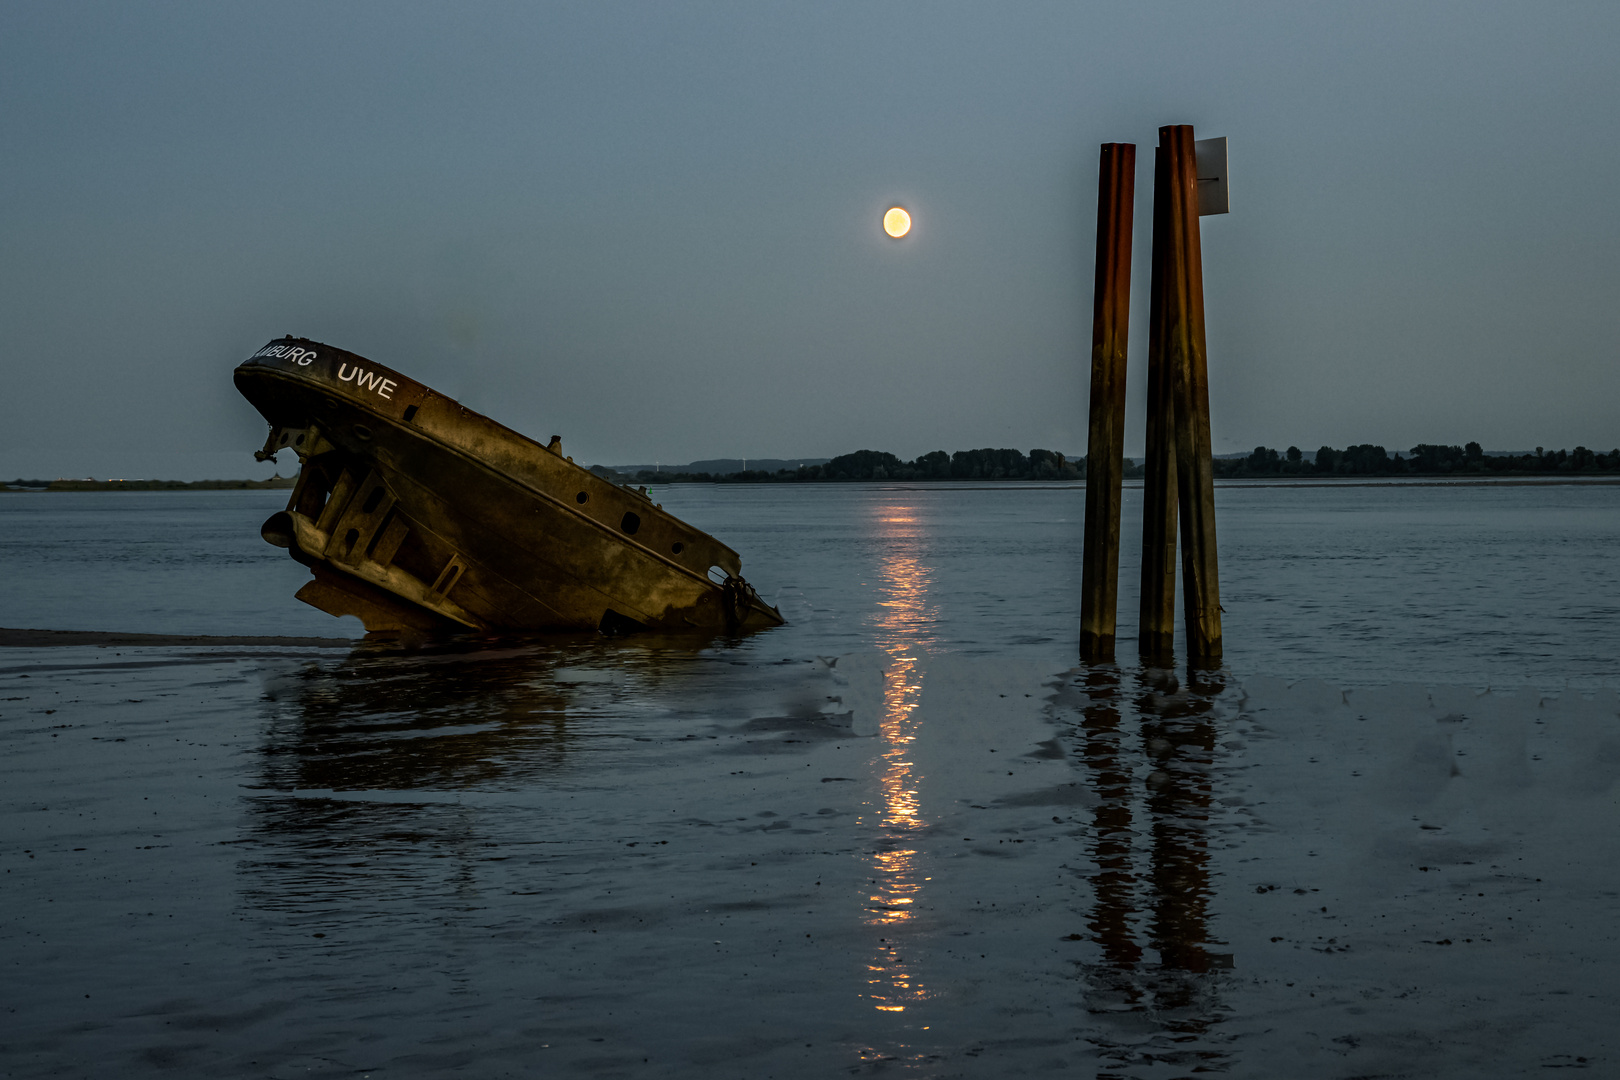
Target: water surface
[904, 834]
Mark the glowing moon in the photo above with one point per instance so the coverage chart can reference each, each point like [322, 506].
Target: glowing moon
[896, 222]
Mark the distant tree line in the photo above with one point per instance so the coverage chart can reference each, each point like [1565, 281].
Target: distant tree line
[1364, 459]
[985, 464]
[1424, 459]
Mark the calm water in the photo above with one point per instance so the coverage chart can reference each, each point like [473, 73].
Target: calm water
[1363, 585]
[946, 852]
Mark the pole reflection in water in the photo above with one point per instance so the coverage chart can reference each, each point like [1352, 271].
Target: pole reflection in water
[905, 628]
[1114, 882]
[1174, 744]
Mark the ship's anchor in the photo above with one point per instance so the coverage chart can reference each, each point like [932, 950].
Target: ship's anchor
[306, 442]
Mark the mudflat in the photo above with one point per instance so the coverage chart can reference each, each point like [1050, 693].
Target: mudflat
[597, 857]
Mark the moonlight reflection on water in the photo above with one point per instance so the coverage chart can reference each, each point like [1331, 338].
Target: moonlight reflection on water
[904, 624]
[950, 851]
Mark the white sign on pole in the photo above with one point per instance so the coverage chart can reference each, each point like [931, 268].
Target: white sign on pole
[1212, 186]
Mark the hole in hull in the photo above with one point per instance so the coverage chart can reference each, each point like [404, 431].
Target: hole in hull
[631, 522]
[614, 624]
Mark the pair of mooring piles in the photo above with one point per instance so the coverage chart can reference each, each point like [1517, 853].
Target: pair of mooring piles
[1179, 474]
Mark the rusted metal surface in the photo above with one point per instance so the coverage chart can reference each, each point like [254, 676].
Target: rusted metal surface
[1105, 448]
[1195, 471]
[1157, 628]
[417, 514]
[1180, 473]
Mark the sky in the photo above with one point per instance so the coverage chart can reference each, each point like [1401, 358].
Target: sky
[654, 228]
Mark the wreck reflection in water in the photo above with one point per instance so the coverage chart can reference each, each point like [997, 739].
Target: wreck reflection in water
[384, 720]
[365, 761]
[475, 714]
[373, 767]
[905, 624]
[1174, 741]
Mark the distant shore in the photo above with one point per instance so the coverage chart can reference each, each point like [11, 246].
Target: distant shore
[1250, 482]
[275, 482]
[1534, 479]
[1306, 481]
[1364, 461]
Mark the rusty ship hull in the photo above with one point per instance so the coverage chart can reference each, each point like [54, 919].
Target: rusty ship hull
[415, 513]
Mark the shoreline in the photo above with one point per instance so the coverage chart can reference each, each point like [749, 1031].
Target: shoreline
[1605, 480]
[1545, 480]
[280, 483]
[1421, 480]
[11, 638]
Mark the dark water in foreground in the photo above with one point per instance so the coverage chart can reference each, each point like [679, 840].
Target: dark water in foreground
[950, 853]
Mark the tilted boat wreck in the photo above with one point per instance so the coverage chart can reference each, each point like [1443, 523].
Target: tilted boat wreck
[415, 513]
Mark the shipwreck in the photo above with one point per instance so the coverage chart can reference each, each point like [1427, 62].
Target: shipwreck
[415, 513]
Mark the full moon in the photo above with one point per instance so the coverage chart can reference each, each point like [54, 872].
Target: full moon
[896, 222]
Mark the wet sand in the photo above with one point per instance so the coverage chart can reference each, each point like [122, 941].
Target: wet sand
[628, 858]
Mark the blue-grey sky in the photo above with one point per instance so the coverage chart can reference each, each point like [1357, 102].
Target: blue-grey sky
[653, 228]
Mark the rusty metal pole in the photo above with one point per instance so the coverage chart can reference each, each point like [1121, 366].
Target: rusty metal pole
[1105, 447]
[1184, 360]
[1157, 625]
